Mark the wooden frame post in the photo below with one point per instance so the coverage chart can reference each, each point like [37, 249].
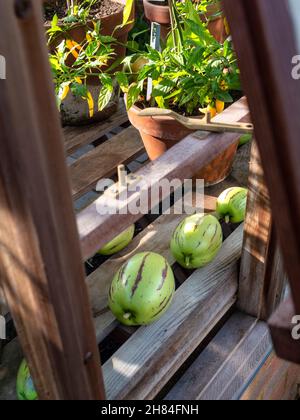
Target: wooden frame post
[41, 264]
[262, 276]
[265, 59]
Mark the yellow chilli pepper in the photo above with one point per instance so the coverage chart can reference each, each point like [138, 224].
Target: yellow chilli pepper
[72, 45]
[65, 92]
[78, 80]
[212, 110]
[220, 105]
[90, 102]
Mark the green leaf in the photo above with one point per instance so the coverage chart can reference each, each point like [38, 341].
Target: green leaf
[203, 35]
[54, 21]
[122, 79]
[224, 96]
[106, 81]
[147, 71]
[153, 55]
[79, 90]
[104, 97]
[115, 64]
[163, 88]
[106, 39]
[133, 94]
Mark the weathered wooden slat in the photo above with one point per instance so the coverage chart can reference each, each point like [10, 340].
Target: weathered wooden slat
[277, 380]
[102, 162]
[95, 229]
[140, 368]
[228, 362]
[41, 269]
[76, 137]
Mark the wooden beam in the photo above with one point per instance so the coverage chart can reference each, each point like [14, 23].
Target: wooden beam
[274, 101]
[145, 363]
[182, 162]
[102, 162]
[41, 265]
[262, 277]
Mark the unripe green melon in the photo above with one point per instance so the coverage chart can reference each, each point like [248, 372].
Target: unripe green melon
[25, 386]
[232, 204]
[196, 241]
[119, 242]
[142, 290]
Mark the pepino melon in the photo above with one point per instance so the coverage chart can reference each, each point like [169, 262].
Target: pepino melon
[25, 386]
[142, 290]
[232, 203]
[119, 242]
[196, 241]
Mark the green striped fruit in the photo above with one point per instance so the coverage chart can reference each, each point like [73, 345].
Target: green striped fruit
[196, 241]
[119, 242]
[25, 387]
[232, 203]
[142, 290]
[244, 139]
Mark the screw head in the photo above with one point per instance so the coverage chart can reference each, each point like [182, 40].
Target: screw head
[88, 357]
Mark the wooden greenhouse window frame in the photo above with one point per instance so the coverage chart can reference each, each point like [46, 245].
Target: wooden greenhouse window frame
[265, 59]
[60, 344]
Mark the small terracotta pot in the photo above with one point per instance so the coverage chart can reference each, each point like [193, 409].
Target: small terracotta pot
[78, 32]
[216, 25]
[161, 14]
[74, 111]
[159, 134]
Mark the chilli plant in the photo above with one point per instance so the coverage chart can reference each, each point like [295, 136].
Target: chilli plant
[73, 63]
[193, 73]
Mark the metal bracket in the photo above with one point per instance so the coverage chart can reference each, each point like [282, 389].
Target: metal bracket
[124, 182]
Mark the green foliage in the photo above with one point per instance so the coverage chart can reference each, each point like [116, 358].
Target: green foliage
[72, 63]
[192, 72]
[138, 37]
[89, 58]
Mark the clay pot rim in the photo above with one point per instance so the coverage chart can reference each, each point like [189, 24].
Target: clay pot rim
[212, 9]
[136, 110]
[88, 23]
[156, 6]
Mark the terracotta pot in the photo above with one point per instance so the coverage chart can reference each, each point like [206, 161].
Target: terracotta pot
[74, 110]
[161, 133]
[216, 24]
[161, 14]
[108, 24]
